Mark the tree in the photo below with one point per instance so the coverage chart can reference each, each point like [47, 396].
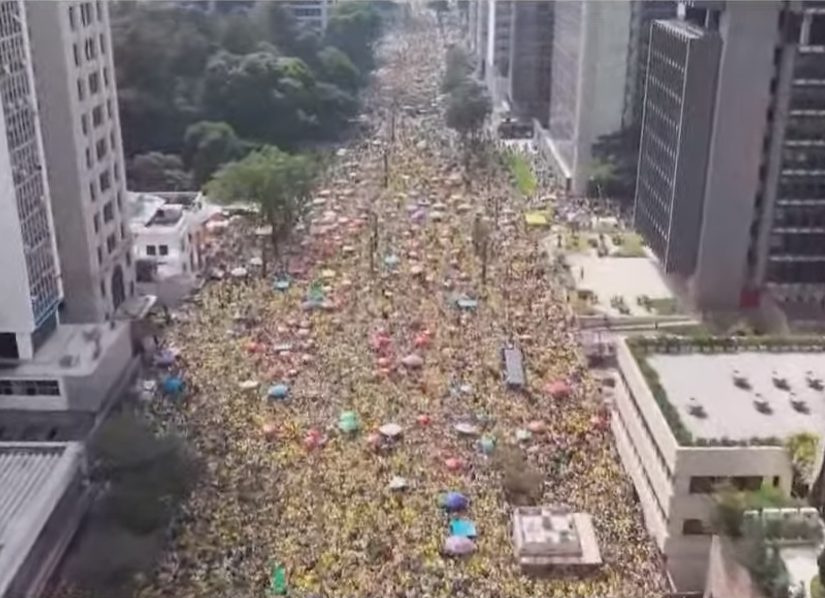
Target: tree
[468, 107]
[277, 182]
[337, 68]
[803, 449]
[157, 172]
[147, 475]
[457, 69]
[353, 27]
[208, 146]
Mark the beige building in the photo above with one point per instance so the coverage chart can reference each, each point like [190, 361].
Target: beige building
[726, 415]
[75, 79]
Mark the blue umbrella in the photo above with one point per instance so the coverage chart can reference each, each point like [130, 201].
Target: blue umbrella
[453, 501]
[173, 385]
[278, 391]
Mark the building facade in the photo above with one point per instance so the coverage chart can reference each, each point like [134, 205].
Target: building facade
[681, 85]
[31, 273]
[72, 55]
[589, 68]
[674, 483]
[763, 215]
[312, 14]
[531, 54]
[642, 15]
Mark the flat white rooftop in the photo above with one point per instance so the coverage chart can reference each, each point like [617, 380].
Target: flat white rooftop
[707, 380]
[33, 478]
[69, 351]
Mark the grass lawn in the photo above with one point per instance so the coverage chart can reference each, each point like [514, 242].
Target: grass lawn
[664, 307]
[523, 174]
[631, 245]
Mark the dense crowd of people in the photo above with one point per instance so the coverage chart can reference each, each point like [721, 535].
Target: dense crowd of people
[385, 320]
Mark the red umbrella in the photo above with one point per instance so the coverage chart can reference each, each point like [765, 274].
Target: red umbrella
[558, 389]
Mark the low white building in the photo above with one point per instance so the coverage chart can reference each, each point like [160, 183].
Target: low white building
[168, 232]
[43, 496]
[713, 414]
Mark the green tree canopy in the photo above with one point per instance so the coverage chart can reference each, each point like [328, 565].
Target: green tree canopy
[156, 171]
[208, 146]
[277, 182]
[468, 107]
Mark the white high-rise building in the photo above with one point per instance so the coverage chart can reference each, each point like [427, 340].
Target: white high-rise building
[72, 57]
[590, 48]
[31, 290]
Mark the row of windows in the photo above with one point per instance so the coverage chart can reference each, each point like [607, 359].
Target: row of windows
[159, 250]
[640, 463]
[710, 484]
[10, 19]
[93, 83]
[88, 14]
[111, 243]
[30, 388]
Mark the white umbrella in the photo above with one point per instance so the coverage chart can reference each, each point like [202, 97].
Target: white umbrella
[239, 272]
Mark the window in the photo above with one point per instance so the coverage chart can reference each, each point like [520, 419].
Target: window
[151, 250]
[98, 11]
[89, 48]
[105, 181]
[111, 243]
[97, 222]
[84, 123]
[76, 53]
[97, 116]
[102, 289]
[72, 19]
[81, 90]
[100, 148]
[99, 255]
[89, 162]
[750, 483]
[703, 484]
[106, 77]
[129, 258]
[164, 249]
[102, 44]
[94, 82]
[109, 108]
[31, 388]
[131, 288]
[86, 13]
[119, 202]
[112, 140]
[108, 212]
[122, 232]
[693, 527]
[92, 191]
[117, 171]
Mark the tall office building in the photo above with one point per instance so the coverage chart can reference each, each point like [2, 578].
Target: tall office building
[763, 205]
[589, 68]
[642, 15]
[531, 53]
[496, 48]
[30, 272]
[76, 89]
[673, 159]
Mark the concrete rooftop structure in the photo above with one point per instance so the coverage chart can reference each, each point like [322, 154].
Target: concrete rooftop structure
[34, 478]
[708, 380]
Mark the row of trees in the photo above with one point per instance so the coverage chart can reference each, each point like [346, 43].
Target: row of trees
[198, 89]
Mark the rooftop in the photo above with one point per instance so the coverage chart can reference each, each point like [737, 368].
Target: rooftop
[551, 536]
[33, 478]
[743, 395]
[71, 350]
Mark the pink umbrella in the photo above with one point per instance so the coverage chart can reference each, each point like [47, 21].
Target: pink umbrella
[557, 389]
